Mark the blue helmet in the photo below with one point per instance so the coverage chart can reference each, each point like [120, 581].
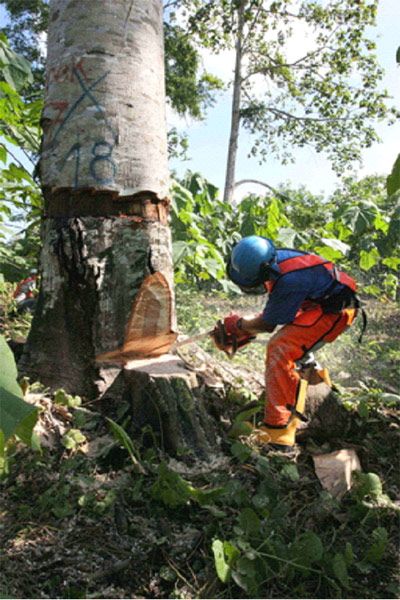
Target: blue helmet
[249, 259]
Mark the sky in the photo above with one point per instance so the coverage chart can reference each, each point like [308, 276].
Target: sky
[209, 139]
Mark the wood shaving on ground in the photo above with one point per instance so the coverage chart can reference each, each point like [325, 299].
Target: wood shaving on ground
[334, 470]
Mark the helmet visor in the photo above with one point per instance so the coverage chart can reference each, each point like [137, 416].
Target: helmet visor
[255, 290]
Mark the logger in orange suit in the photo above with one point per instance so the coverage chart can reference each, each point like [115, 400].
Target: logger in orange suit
[315, 303]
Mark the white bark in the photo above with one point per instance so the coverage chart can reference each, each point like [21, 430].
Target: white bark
[104, 117]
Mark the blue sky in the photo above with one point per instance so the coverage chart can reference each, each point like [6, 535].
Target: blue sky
[209, 139]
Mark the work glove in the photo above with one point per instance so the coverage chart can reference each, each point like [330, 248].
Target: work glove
[228, 336]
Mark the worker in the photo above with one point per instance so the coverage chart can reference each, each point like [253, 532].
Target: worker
[25, 292]
[313, 301]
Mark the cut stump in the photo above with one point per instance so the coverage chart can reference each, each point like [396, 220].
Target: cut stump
[164, 396]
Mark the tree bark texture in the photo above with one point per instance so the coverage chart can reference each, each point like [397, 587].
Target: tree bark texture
[92, 270]
[104, 117]
[104, 176]
[169, 400]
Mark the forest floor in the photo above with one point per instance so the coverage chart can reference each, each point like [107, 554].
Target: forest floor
[79, 521]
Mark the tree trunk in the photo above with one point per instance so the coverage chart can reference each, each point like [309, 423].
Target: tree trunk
[169, 403]
[105, 182]
[235, 119]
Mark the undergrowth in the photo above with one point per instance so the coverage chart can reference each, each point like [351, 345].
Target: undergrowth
[98, 515]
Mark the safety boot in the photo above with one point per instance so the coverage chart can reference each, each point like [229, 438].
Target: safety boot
[284, 438]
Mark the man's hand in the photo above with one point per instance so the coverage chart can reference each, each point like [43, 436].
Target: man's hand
[228, 335]
[231, 324]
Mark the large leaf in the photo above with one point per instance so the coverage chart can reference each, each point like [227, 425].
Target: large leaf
[359, 217]
[17, 417]
[393, 180]
[14, 68]
[336, 244]
[339, 567]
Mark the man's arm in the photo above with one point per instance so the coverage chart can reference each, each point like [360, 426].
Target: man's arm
[255, 325]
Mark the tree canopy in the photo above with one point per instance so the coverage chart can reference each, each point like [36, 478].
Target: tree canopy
[308, 73]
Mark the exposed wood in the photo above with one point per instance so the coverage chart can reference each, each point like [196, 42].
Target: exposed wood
[92, 270]
[164, 395]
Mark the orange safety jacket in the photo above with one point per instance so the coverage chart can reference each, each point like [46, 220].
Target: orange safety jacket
[311, 310]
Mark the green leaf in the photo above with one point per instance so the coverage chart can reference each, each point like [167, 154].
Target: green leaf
[249, 522]
[393, 180]
[339, 567]
[240, 428]
[61, 397]
[291, 471]
[3, 153]
[307, 549]
[170, 488]
[225, 555]
[349, 554]
[72, 439]
[14, 68]
[380, 540]
[369, 259]
[180, 250]
[363, 409]
[328, 253]
[337, 245]
[240, 451]
[17, 417]
[367, 484]
[123, 438]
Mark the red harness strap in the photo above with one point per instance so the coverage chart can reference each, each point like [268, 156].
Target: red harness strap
[307, 261]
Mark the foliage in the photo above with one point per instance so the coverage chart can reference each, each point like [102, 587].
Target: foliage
[13, 326]
[17, 417]
[328, 95]
[189, 93]
[254, 526]
[19, 192]
[358, 226]
[25, 30]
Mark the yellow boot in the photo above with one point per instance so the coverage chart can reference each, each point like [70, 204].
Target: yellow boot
[284, 438]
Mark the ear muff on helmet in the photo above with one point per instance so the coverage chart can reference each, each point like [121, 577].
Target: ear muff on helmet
[266, 271]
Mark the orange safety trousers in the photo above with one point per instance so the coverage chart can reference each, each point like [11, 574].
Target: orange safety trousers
[290, 344]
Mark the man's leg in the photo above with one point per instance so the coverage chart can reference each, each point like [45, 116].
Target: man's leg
[284, 389]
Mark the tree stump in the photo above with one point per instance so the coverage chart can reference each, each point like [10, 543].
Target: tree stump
[327, 417]
[164, 394]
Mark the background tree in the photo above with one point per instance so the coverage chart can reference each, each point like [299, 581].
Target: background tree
[326, 95]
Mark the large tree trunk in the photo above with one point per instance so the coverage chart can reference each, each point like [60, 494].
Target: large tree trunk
[105, 182]
[235, 118]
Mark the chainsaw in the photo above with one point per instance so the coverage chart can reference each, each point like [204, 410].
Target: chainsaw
[228, 343]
